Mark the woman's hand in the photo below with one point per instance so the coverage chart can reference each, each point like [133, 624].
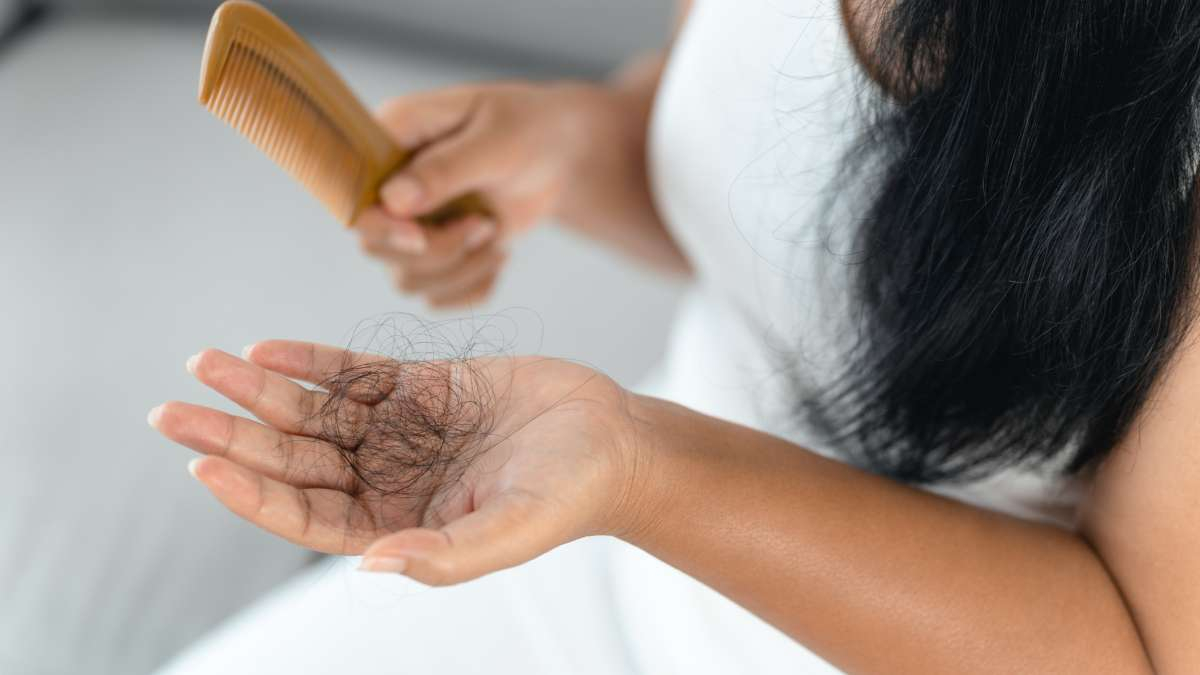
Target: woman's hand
[516, 144]
[444, 471]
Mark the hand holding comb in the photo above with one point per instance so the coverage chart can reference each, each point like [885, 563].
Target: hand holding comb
[272, 86]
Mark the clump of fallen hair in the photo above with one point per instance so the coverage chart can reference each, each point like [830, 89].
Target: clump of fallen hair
[422, 422]
[409, 413]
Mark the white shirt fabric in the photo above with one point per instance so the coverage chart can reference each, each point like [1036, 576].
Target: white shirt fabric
[756, 110]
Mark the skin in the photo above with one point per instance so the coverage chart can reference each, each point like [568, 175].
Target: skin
[874, 576]
[283, 474]
[521, 145]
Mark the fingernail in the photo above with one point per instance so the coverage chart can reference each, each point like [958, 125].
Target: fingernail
[480, 235]
[154, 416]
[390, 565]
[195, 461]
[401, 195]
[191, 363]
[246, 351]
[407, 241]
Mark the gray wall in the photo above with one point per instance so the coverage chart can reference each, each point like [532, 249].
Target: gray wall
[9, 11]
[136, 230]
[593, 34]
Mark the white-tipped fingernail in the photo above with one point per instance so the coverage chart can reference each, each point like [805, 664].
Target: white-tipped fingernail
[407, 241]
[191, 363]
[246, 351]
[154, 416]
[389, 565]
[480, 235]
[195, 461]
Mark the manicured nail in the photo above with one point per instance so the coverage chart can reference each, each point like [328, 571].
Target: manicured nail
[407, 241]
[479, 235]
[390, 565]
[154, 416]
[401, 195]
[195, 461]
[191, 363]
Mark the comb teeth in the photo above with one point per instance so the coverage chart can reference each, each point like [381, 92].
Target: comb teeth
[258, 94]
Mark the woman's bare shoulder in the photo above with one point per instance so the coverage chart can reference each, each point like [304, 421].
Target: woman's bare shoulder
[1142, 511]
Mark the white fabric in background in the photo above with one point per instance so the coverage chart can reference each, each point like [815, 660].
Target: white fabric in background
[755, 113]
[553, 615]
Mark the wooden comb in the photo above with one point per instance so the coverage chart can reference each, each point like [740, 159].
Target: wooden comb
[272, 86]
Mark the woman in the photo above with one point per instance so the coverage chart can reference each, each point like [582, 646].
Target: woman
[980, 394]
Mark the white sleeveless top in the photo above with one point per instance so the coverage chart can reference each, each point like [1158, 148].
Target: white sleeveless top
[758, 106]
[756, 110]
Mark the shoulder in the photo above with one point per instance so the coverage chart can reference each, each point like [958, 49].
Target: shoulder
[1142, 512]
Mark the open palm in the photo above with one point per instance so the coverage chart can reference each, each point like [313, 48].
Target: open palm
[441, 470]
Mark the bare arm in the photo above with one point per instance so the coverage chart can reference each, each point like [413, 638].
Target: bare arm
[875, 576]
[881, 578]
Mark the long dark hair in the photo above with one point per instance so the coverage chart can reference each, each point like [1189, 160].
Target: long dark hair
[1030, 243]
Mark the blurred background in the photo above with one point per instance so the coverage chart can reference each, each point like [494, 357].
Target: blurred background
[138, 230]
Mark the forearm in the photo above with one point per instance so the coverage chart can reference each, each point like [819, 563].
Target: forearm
[874, 576]
[609, 198]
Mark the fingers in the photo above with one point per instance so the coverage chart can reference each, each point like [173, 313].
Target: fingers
[389, 238]
[440, 247]
[435, 125]
[276, 400]
[441, 284]
[329, 521]
[308, 361]
[449, 168]
[470, 295]
[452, 242]
[296, 460]
[507, 530]
[460, 148]
[416, 120]
[458, 263]
[450, 157]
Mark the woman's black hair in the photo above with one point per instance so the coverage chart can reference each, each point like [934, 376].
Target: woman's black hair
[1030, 244]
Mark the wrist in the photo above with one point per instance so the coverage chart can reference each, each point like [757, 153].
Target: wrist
[601, 133]
[647, 484]
[583, 110]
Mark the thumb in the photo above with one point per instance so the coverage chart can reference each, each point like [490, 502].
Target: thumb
[512, 528]
[417, 120]
[445, 170]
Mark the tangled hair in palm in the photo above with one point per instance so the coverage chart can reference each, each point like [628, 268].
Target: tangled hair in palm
[411, 409]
